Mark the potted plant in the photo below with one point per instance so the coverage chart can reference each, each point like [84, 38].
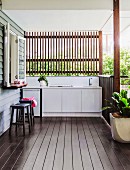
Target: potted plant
[43, 80]
[120, 118]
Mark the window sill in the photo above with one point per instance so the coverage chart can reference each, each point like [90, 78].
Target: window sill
[15, 86]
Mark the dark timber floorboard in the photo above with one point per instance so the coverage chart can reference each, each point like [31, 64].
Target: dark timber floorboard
[64, 144]
[67, 153]
[41, 156]
[48, 163]
[115, 146]
[36, 148]
[101, 152]
[59, 150]
[96, 162]
[77, 156]
[86, 158]
[107, 145]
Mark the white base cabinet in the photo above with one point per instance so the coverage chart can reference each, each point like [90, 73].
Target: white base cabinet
[68, 101]
[72, 100]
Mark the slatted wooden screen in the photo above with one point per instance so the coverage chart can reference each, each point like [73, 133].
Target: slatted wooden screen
[63, 53]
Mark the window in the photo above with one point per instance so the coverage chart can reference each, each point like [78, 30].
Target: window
[15, 60]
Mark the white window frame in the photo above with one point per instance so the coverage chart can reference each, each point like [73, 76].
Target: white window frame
[14, 57]
[18, 38]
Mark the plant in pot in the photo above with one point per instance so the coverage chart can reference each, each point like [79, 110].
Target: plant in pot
[43, 80]
[120, 118]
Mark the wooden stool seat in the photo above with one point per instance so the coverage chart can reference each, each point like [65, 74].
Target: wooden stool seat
[20, 105]
[20, 116]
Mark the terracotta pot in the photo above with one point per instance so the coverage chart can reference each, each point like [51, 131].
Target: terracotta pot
[120, 129]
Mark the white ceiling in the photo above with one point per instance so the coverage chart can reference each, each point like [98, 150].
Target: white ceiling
[124, 22]
[48, 15]
[59, 20]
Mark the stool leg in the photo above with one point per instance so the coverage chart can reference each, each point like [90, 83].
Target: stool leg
[11, 120]
[28, 115]
[23, 121]
[31, 115]
[17, 119]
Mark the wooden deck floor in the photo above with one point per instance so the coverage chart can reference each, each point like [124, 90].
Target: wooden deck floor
[64, 144]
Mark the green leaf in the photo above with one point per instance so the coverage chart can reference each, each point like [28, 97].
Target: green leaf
[123, 93]
[116, 96]
[105, 108]
[117, 101]
[124, 101]
[128, 101]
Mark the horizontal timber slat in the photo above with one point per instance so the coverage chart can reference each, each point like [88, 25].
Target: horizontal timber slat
[59, 36]
[94, 72]
[67, 59]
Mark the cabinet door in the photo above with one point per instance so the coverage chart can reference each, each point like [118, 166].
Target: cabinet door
[71, 100]
[51, 100]
[36, 94]
[91, 100]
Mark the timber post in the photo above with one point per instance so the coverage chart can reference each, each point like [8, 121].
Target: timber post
[116, 33]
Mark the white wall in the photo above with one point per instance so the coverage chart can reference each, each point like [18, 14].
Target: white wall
[7, 96]
[61, 80]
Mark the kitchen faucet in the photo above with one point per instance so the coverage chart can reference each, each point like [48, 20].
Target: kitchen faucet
[90, 83]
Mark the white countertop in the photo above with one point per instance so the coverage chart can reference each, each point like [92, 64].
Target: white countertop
[62, 87]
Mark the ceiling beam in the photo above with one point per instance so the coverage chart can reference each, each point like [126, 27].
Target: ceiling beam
[57, 5]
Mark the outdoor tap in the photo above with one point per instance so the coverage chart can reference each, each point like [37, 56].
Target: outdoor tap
[90, 83]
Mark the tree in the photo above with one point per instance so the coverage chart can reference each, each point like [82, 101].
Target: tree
[108, 63]
[108, 68]
[125, 62]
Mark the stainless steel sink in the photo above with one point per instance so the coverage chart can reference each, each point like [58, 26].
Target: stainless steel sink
[60, 86]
